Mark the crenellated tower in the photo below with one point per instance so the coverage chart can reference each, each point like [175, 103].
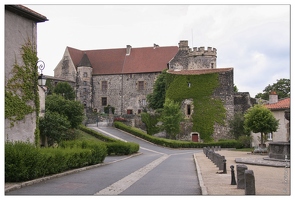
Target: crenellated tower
[193, 59]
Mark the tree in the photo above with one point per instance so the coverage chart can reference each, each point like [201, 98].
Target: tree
[171, 118]
[54, 126]
[157, 98]
[281, 87]
[65, 89]
[260, 119]
[236, 126]
[73, 110]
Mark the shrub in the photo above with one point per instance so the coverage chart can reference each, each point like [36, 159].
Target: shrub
[175, 143]
[23, 161]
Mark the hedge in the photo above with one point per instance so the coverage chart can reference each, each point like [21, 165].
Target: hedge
[175, 143]
[23, 161]
[114, 146]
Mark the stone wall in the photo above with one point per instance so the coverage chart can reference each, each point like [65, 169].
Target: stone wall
[126, 92]
[66, 68]
[225, 92]
[18, 30]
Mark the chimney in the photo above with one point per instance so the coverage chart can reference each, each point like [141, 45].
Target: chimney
[273, 97]
[128, 50]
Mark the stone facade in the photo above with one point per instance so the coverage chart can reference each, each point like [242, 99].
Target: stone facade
[127, 91]
[20, 26]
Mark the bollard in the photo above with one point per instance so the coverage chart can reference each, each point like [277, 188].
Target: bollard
[249, 182]
[233, 178]
[224, 167]
[220, 164]
[241, 176]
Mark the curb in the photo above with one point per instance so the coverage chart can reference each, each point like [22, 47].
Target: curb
[38, 180]
[200, 178]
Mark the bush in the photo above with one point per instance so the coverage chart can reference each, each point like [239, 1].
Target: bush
[114, 146]
[176, 143]
[23, 161]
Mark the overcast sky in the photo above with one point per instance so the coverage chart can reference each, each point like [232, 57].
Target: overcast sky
[253, 39]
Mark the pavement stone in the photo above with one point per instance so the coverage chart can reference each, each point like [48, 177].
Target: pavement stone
[272, 177]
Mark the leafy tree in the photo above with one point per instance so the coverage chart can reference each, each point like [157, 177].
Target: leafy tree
[65, 89]
[260, 119]
[156, 99]
[73, 110]
[54, 126]
[150, 120]
[236, 126]
[281, 87]
[171, 118]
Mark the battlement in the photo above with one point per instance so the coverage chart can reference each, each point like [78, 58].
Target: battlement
[197, 51]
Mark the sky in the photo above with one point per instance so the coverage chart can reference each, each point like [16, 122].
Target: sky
[254, 39]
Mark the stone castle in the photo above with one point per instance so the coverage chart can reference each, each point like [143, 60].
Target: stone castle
[122, 78]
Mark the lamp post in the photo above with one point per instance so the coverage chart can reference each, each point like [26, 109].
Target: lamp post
[41, 77]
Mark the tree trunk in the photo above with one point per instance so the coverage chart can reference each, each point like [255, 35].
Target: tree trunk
[261, 139]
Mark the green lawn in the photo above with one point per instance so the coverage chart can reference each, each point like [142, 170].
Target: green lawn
[245, 149]
[84, 136]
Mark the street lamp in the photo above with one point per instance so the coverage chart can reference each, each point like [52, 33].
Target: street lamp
[41, 78]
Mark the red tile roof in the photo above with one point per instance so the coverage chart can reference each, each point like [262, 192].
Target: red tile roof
[199, 71]
[280, 105]
[115, 61]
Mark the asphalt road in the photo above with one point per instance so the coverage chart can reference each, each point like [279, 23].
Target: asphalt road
[156, 171]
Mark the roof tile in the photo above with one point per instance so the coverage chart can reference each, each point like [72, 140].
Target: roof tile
[280, 105]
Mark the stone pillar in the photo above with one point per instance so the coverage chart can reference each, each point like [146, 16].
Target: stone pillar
[249, 182]
[241, 176]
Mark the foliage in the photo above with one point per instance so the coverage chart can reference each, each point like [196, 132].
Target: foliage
[236, 126]
[156, 99]
[175, 143]
[25, 162]
[106, 109]
[150, 120]
[73, 110]
[207, 110]
[21, 91]
[171, 118]
[114, 146]
[65, 89]
[54, 126]
[236, 88]
[281, 87]
[260, 119]
[245, 140]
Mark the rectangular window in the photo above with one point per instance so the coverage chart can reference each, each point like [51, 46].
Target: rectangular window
[84, 83]
[139, 111]
[104, 85]
[143, 102]
[129, 112]
[269, 136]
[140, 85]
[85, 74]
[104, 101]
[188, 109]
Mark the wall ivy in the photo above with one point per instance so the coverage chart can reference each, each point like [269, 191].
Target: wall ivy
[21, 91]
[208, 110]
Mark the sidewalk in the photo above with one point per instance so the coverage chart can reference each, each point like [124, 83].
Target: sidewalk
[269, 175]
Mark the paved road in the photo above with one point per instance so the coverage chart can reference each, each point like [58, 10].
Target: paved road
[156, 171]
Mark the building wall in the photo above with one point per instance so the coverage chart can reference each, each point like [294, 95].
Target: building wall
[66, 68]
[84, 86]
[225, 92]
[125, 92]
[18, 31]
[281, 135]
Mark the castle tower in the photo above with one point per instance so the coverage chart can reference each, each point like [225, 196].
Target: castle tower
[198, 58]
[84, 82]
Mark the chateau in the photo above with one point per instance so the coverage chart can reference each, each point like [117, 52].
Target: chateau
[122, 78]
